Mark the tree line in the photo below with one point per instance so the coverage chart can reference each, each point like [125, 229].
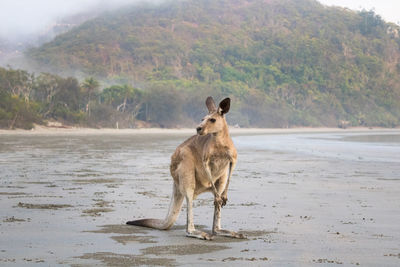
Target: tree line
[26, 99]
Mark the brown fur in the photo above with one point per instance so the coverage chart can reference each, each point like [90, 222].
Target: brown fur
[203, 163]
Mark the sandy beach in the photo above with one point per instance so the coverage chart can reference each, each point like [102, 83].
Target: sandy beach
[303, 197]
[70, 130]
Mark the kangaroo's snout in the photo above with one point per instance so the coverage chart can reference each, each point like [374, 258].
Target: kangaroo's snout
[198, 129]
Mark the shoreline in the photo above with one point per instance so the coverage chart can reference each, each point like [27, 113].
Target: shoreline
[46, 130]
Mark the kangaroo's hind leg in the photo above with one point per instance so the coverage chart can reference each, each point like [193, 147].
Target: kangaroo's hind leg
[187, 185]
[190, 229]
[217, 224]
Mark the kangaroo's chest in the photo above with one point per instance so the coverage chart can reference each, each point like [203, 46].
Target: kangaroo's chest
[218, 163]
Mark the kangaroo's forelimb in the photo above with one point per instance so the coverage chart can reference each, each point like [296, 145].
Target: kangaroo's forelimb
[224, 194]
[216, 230]
[214, 189]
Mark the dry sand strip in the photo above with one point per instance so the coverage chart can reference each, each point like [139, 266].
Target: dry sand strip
[44, 130]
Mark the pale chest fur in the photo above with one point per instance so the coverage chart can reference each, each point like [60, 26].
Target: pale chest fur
[218, 163]
[218, 160]
[215, 157]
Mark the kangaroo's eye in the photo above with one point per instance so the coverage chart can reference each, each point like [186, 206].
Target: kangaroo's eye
[213, 120]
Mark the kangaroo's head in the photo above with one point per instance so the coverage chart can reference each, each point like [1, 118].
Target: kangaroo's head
[215, 121]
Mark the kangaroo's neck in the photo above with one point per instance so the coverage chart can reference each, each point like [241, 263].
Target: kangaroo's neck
[222, 137]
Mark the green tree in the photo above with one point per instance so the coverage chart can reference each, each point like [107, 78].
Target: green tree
[90, 87]
[123, 98]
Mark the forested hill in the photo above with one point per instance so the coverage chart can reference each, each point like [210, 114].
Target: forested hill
[284, 62]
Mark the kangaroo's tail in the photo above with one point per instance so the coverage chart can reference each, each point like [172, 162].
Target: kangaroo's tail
[173, 212]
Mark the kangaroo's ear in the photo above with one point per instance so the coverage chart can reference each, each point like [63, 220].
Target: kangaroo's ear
[211, 104]
[224, 106]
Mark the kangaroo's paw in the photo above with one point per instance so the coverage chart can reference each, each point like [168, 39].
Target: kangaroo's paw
[199, 235]
[218, 201]
[228, 233]
[224, 200]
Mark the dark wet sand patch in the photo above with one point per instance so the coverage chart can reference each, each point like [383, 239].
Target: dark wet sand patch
[13, 186]
[48, 183]
[7, 260]
[112, 259]
[13, 219]
[124, 239]
[72, 188]
[95, 181]
[131, 229]
[88, 175]
[189, 249]
[32, 196]
[392, 255]
[33, 260]
[112, 185]
[244, 259]
[24, 259]
[382, 236]
[257, 233]
[224, 239]
[148, 194]
[102, 203]
[96, 211]
[216, 238]
[43, 206]
[248, 204]
[119, 229]
[183, 227]
[327, 261]
[48, 196]
[13, 194]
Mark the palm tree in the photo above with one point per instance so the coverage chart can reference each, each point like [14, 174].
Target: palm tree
[90, 85]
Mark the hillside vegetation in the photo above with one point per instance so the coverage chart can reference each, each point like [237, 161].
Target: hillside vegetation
[284, 62]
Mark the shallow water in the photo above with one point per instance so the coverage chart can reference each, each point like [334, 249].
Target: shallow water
[322, 198]
[382, 147]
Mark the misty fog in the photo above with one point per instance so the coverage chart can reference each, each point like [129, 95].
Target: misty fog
[25, 19]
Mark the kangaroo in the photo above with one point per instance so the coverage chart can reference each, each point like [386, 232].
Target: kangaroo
[203, 163]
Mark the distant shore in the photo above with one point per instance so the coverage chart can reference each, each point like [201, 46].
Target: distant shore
[46, 130]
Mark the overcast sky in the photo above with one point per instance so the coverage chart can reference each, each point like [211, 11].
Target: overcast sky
[24, 17]
[389, 10]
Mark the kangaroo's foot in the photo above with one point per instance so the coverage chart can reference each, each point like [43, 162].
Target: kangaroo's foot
[228, 233]
[199, 235]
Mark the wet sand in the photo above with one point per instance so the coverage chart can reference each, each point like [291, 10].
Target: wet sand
[317, 197]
